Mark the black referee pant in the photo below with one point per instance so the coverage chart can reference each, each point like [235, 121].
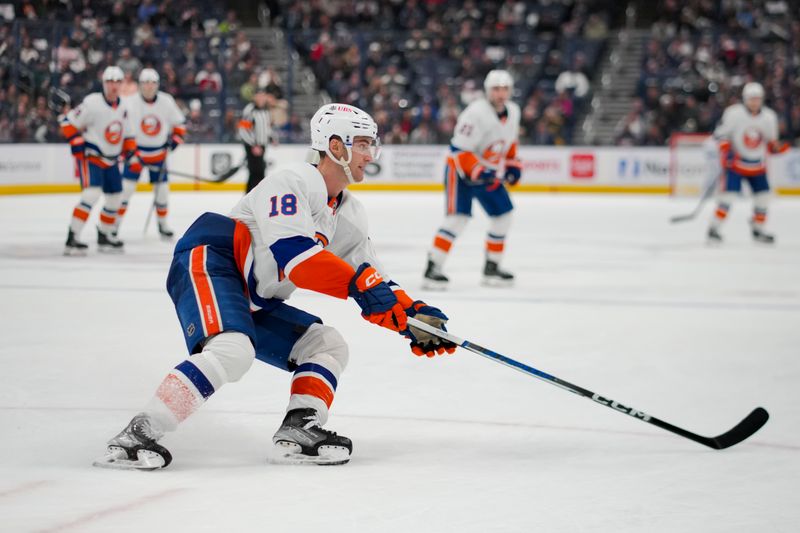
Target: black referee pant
[256, 166]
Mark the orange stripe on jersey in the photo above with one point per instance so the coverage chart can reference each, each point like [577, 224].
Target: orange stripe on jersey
[96, 161]
[177, 397]
[322, 239]
[179, 130]
[68, 130]
[84, 165]
[451, 189]
[150, 159]
[312, 386]
[442, 243]
[245, 124]
[204, 291]
[323, 272]
[467, 161]
[241, 246]
[512, 151]
[496, 247]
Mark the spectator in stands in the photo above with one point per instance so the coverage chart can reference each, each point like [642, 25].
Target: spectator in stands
[128, 63]
[197, 127]
[208, 79]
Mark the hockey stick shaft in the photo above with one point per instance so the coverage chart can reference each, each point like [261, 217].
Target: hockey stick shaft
[707, 193]
[740, 432]
[161, 172]
[219, 179]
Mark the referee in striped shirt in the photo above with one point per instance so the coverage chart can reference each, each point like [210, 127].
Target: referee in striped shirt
[255, 132]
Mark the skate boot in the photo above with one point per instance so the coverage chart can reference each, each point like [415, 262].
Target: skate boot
[494, 276]
[135, 447]
[109, 243]
[713, 236]
[165, 232]
[760, 236]
[301, 440]
[74, 247]
[434, 280]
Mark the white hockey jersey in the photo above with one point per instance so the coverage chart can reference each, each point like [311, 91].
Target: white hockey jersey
[103, 127]
[747, 137]
[293, 225]
[155, 124]
[482, 138]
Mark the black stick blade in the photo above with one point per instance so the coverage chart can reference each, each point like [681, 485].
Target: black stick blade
[742, 430]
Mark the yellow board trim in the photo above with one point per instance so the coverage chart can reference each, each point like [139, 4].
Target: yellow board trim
[53, 188]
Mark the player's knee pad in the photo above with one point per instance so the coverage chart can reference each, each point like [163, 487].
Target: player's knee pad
[226, 357]
[455, 224]
[499, 225]
[761, 200]
[90, 195]
[323, 345]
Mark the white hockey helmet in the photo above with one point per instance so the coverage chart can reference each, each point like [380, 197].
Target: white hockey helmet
[752, 90]
[498, 78]
[148, 75]
[345, 122]
[113, 73]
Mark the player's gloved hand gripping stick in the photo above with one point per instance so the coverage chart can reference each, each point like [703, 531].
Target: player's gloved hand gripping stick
[744, 429]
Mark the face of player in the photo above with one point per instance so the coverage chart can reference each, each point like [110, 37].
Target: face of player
[754, 104]
[111, 89]
[364, 151]
[148, 89]
[498, 96]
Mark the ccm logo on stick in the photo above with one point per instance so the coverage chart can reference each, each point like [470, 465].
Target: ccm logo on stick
[621, 408]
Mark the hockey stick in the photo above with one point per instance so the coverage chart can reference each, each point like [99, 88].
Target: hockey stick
[707, 193]
[153, 205]
[217, 179]
[740, 432]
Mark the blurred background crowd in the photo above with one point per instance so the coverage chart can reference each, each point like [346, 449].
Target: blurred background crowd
[414, 64]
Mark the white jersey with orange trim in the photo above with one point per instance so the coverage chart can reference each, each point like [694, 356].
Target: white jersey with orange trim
[154, 123]
[748, 136]
[296, 230]
[104, 126]
[482, 133]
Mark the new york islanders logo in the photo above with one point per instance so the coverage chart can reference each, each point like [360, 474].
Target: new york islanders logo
[113, 133]
[752, 138]
[150, 125]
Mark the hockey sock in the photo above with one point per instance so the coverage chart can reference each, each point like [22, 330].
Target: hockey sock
[495, 238]
[80, 214]
[128, 188]
[760, 203]
[452, 226]
[108, 216]
[161, 191]
[225, 358]
[721, 213]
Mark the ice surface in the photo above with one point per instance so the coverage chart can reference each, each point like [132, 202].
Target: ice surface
[610, 296]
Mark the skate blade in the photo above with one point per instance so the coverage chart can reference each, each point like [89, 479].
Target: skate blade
[431, 285]
[117, 459]
[74, 252]
[110, 250]
[496, 282]
[289, 453]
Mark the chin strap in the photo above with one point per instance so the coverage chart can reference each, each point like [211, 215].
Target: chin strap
[344, 163]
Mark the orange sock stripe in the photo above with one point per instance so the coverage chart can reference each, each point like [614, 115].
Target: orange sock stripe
[442, 243]
[312, 386]
[496, 247]
[121, 211]
[162, 212]
[721, 213]
[760, 217]
[107, 219]
[80, 214]
[177, 397]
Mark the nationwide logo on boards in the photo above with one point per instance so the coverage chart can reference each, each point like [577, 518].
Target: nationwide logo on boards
[582, 165]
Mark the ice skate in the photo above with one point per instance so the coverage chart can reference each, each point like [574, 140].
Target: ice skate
[109, 243]
[713, 236]
[74, 247]
[135, 448]
[434, 280]
[165, 232]
[494, 276]
[301, 440]
[761, 236]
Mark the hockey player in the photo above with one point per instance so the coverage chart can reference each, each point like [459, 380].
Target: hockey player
[746, 133]
[98, 130]
[159, 127]
[482, 161]
[230, 277]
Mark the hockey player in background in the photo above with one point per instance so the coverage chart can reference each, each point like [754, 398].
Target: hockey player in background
[483, 160]
[230, 277]
[98, 131]
[746, 133]
[159, 127]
